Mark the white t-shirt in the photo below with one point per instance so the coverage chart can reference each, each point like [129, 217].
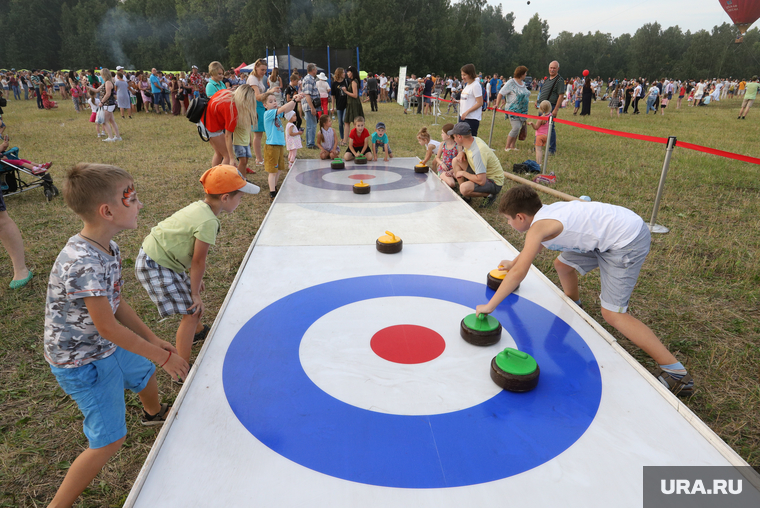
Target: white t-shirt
[94, 105]
[254, 81]
[590, 226]
[469, 97]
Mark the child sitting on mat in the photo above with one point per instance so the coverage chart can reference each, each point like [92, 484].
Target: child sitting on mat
[446, 153]
[180, 244]
[328, 147]
[380, 142]
[431, 147]
[95, 343]
[359, 139]
[590, 235]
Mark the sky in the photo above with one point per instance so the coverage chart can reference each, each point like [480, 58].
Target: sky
[615, 16]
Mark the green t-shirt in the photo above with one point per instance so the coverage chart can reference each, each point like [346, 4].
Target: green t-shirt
[482, 160]
[750, 92]
[172, 241]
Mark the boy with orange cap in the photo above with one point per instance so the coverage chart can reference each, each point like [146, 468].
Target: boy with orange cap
[181, 243]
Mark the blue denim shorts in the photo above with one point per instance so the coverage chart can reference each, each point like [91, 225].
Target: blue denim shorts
[98, 389]
[242, 151]
[618, 269]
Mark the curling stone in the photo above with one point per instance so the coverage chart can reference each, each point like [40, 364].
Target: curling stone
[360, 159]
[482, 330]
[515, 370]
[421, 168]
[495, 277]
[338, 163]
[389, 243]
[361, 188]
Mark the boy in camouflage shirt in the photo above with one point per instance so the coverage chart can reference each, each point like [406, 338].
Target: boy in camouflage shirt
[95, 343]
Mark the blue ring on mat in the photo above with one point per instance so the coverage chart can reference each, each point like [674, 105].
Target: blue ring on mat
[508, 434]
[313, 178]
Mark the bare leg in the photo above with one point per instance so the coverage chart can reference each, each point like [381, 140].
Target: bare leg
[149, 396]
[272, 180]
[539, 155]
[640, 334]
[82, 471]
[185, 334]
[11, 239]
[257, 146]
[568, 277]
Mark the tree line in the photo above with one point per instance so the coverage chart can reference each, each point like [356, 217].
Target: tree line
[435, 36]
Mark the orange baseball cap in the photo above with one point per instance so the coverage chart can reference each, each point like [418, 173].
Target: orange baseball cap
[223, 179]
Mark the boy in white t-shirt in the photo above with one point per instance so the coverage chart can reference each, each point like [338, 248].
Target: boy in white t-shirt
[590, 235]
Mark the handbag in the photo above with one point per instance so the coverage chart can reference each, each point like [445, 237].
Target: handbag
[523, 132]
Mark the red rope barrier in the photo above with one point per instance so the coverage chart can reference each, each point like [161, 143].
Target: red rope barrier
[642, 137]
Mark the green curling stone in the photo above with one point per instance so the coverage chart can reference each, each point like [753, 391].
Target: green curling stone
[515, 370]
[482, 330]
[360, 159]
[337, 163]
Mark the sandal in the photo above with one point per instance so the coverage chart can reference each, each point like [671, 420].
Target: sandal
[156, 419]
[683, 387]
[16, 284]
[201, 336]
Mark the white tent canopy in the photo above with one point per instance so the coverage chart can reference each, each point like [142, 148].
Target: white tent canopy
[281, 62]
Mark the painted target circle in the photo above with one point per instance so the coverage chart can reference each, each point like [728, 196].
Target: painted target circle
[507, 434]
[386, 178]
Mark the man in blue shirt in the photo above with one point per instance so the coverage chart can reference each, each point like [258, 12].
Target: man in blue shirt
[155, 89]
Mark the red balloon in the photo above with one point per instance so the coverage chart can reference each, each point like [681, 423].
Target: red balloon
[585, 73]
[742, 12]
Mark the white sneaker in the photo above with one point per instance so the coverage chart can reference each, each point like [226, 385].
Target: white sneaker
[117, 138]
[99, 134]
[109, 139]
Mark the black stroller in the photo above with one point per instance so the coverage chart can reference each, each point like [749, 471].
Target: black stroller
[16, 179]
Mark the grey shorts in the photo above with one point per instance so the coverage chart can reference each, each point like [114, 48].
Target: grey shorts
[618, 269]
[169, 290]
[211, 134]
[489, 187]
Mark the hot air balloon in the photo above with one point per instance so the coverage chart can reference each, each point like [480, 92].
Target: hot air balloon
[742, 12]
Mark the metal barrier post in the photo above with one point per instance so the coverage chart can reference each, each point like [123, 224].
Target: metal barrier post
[493, 120]
[546, 148]
[653, 226]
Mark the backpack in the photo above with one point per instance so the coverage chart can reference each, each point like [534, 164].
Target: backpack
[196, 109]
[532, 166]
[196, 112]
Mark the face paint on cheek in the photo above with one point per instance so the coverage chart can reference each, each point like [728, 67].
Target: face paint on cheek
[127, 195]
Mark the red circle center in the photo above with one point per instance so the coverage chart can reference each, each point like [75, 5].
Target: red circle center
[361, 177]
[407, 344]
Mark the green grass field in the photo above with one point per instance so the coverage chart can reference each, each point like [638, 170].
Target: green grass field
[699, 290]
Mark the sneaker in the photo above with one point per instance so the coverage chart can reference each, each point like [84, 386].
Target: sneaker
[157, 419]
[117, 138]
[99, 134]
[250, 171]
[110, 140]
[489, 200]
[272, 194]
[201, 336]
[467, 200]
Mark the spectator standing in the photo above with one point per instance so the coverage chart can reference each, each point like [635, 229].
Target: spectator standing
[257, 80]
[471, 99]
[553, 90]
[372, 91]
[353, 103]
[37, 84]
[516, 97]
[324, 94]
[311, 97]
[750, 94]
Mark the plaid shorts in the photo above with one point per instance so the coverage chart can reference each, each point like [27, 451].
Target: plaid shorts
[169, 290]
